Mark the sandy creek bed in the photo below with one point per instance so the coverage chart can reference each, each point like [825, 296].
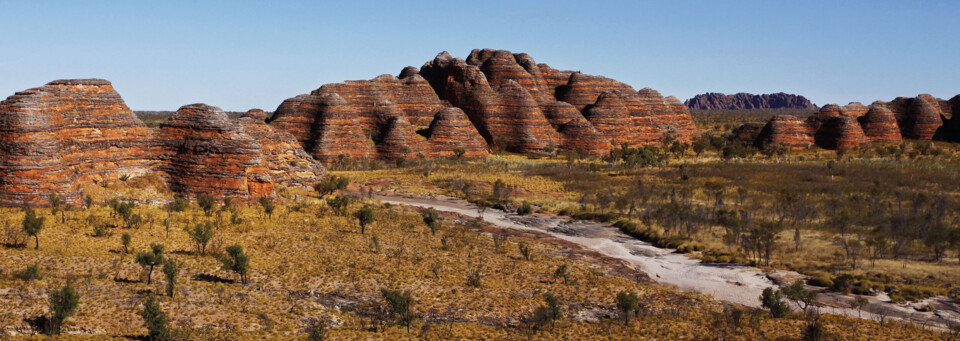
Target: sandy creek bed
[731, 283]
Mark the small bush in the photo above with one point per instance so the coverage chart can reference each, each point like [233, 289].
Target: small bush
[525, 209]
[31, 272]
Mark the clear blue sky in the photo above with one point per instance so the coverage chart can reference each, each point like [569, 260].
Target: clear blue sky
[240, 55]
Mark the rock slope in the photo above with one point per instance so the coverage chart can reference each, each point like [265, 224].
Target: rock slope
[509, 101]
[69, 133]
[739, 101]
[834, 127]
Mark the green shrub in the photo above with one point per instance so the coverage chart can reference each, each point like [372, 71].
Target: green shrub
[31, 272]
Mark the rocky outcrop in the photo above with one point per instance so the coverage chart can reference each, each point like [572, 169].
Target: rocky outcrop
[840, 133]
[918, 117]
[286, 161]
[719, 101]
[450, 130]
[205, 152]
[749, 133]
[950, 130]
[487, 86]
[55, 138]
[786, 130]
[880, 124]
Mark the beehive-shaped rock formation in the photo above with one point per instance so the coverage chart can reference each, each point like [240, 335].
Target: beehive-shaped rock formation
[55, 138]
[748, 133]
[918, 117]
[880, 124]
[450, 130]
[281, 153]
[207, 153]
[786, 130]
[840, 133]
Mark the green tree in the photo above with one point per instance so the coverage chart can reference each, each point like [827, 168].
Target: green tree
[364, 217]
[525, 209]
[207, 202]
[548, 313]
[800, 296]
[339, 204]
[149, 259]
[459, 152]
[201, 234]
[236, 261]
[628, 303]
[330, 185]
[858, 303]
[88, 201]
[400, 303]
[170, 270]
[561, 272]
[31, 272]
[268, 206]
[773, 301]
[55, 202]
[32, 224]
[63, 304]
[125, 241]
[432, 219]
[155, 320]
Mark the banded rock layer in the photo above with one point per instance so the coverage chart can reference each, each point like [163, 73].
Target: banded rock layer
[509, 100]
[55, 137]
[68, 133]
[921, 118]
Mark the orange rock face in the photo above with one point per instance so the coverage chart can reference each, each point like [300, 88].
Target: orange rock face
[487, 87]
[59, 136]
[451, 129]
[880, 124]
[787, 130]
[748, 133]
[207, 153]
[918, 117]
[841, 133]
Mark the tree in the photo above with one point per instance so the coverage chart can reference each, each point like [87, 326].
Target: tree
[339, 204]
[236, 261]
[63, 304]
[700, 145]
[125, 241]
[170, 270]
[268, 206]
[400, 303]
[628, 303]
[201, 234]
[432, 219]
[364, 217]
[458, 152]
[55, 202]
[207, 202]
[800, 296]
[550, 312]
[155, 320]
[774, 151]
[149, 259]
[32, 224]
[561, 272]
[330, 185]
[88, 201]
[858, 303]
[772, 300]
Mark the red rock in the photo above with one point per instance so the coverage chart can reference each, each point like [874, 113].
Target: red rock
[919, 117]
[207, 153]
[337, 131]
[451, 129]
[55, 138]
[950, 130]
[747, 134]
[841, 133]
[611, 118]
[740, 101]
[855, 109]
[286, 161]
[787, 130]
[880, 124]
[580, 136]
[398, 139]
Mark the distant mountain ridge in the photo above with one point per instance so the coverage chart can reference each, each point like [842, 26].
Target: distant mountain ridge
[719, 101]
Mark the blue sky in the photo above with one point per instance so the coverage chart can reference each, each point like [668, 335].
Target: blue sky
[240, 55]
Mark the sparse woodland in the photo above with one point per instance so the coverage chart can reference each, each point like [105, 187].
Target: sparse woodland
[330, 264]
